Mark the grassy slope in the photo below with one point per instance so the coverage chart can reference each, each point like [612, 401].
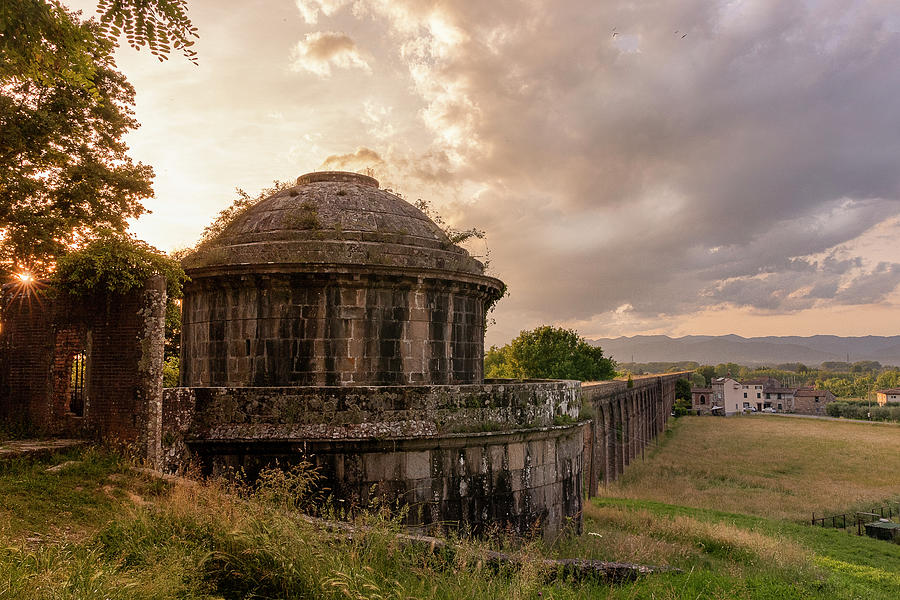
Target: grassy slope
[96, 530]
[727, 499]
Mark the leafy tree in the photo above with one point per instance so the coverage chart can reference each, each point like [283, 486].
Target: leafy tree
[837, 366]
[549, 353]
[708, 372]
[64, 109]
[865, 366]
[683, 390]
[160, 25]
[733, 370]
[116, 263]
[888, 380]
[848, 387]
[796, 367]
[42, 41]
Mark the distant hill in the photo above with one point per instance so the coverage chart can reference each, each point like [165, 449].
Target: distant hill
[715, 349]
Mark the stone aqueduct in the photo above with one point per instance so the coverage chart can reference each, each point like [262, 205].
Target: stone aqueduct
[332, 322]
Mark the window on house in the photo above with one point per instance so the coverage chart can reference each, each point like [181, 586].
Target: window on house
[745, 395]
[702, 399]
[758, 395]
[779, 407]
[746, 405]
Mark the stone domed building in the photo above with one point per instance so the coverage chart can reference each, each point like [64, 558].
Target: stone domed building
[334, 282]
[335, 322]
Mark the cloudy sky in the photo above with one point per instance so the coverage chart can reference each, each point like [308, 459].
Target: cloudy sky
[698, 166]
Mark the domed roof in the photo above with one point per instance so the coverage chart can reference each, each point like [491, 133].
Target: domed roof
[331, 219]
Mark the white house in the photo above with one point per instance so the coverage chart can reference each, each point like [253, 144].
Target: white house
[729, 393]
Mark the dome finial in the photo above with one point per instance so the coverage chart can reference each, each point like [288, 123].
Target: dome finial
[337, 176]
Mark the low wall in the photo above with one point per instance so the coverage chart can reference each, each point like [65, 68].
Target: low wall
[527, 481]
[500, 454]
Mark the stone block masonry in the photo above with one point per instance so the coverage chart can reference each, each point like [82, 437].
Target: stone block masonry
[625, 420]
[469, 456]
[524, 481]
[332, 329]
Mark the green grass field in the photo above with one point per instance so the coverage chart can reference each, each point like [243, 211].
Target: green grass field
[721, 499]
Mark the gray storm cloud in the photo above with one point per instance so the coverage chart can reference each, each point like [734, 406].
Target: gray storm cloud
[665, 156]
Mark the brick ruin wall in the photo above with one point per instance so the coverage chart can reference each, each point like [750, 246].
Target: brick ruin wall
[122, 340]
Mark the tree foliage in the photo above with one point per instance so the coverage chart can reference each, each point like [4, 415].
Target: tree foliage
[116, 263]
[160, 25]
[549, 352]
[41, 42]
[863, 410]
[64, 109]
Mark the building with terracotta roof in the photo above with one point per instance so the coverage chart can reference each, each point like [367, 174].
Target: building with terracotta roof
[764, 394]
[885, 396]
[809, 401]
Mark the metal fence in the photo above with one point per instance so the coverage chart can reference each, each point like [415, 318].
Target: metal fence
[856, 519]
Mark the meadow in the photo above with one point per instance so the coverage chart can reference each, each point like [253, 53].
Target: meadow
[769, 466]
[96, 528]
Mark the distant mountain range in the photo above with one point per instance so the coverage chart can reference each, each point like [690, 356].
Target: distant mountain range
[715, 349]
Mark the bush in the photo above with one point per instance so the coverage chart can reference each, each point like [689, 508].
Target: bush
[116, 263]
[171, 372]
[862, 409]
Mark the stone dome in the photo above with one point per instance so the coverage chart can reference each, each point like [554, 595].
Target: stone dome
[332, 219]
[333, 282]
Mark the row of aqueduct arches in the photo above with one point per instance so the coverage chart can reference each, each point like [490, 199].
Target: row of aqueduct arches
[625, 420]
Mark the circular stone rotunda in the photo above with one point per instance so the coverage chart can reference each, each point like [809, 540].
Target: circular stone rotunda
[335, 322]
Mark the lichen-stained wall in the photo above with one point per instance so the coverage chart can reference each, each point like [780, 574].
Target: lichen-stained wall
[122, 337]
[527, 481]
[306, 329]
[504, 454]
[625, 420]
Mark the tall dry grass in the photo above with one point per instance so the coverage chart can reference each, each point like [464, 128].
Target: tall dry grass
[690, 537]
[769, 466]
[222, 539]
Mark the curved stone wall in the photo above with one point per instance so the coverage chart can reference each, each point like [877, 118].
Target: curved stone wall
[527, 481]
[506, 454]
[285, 329]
